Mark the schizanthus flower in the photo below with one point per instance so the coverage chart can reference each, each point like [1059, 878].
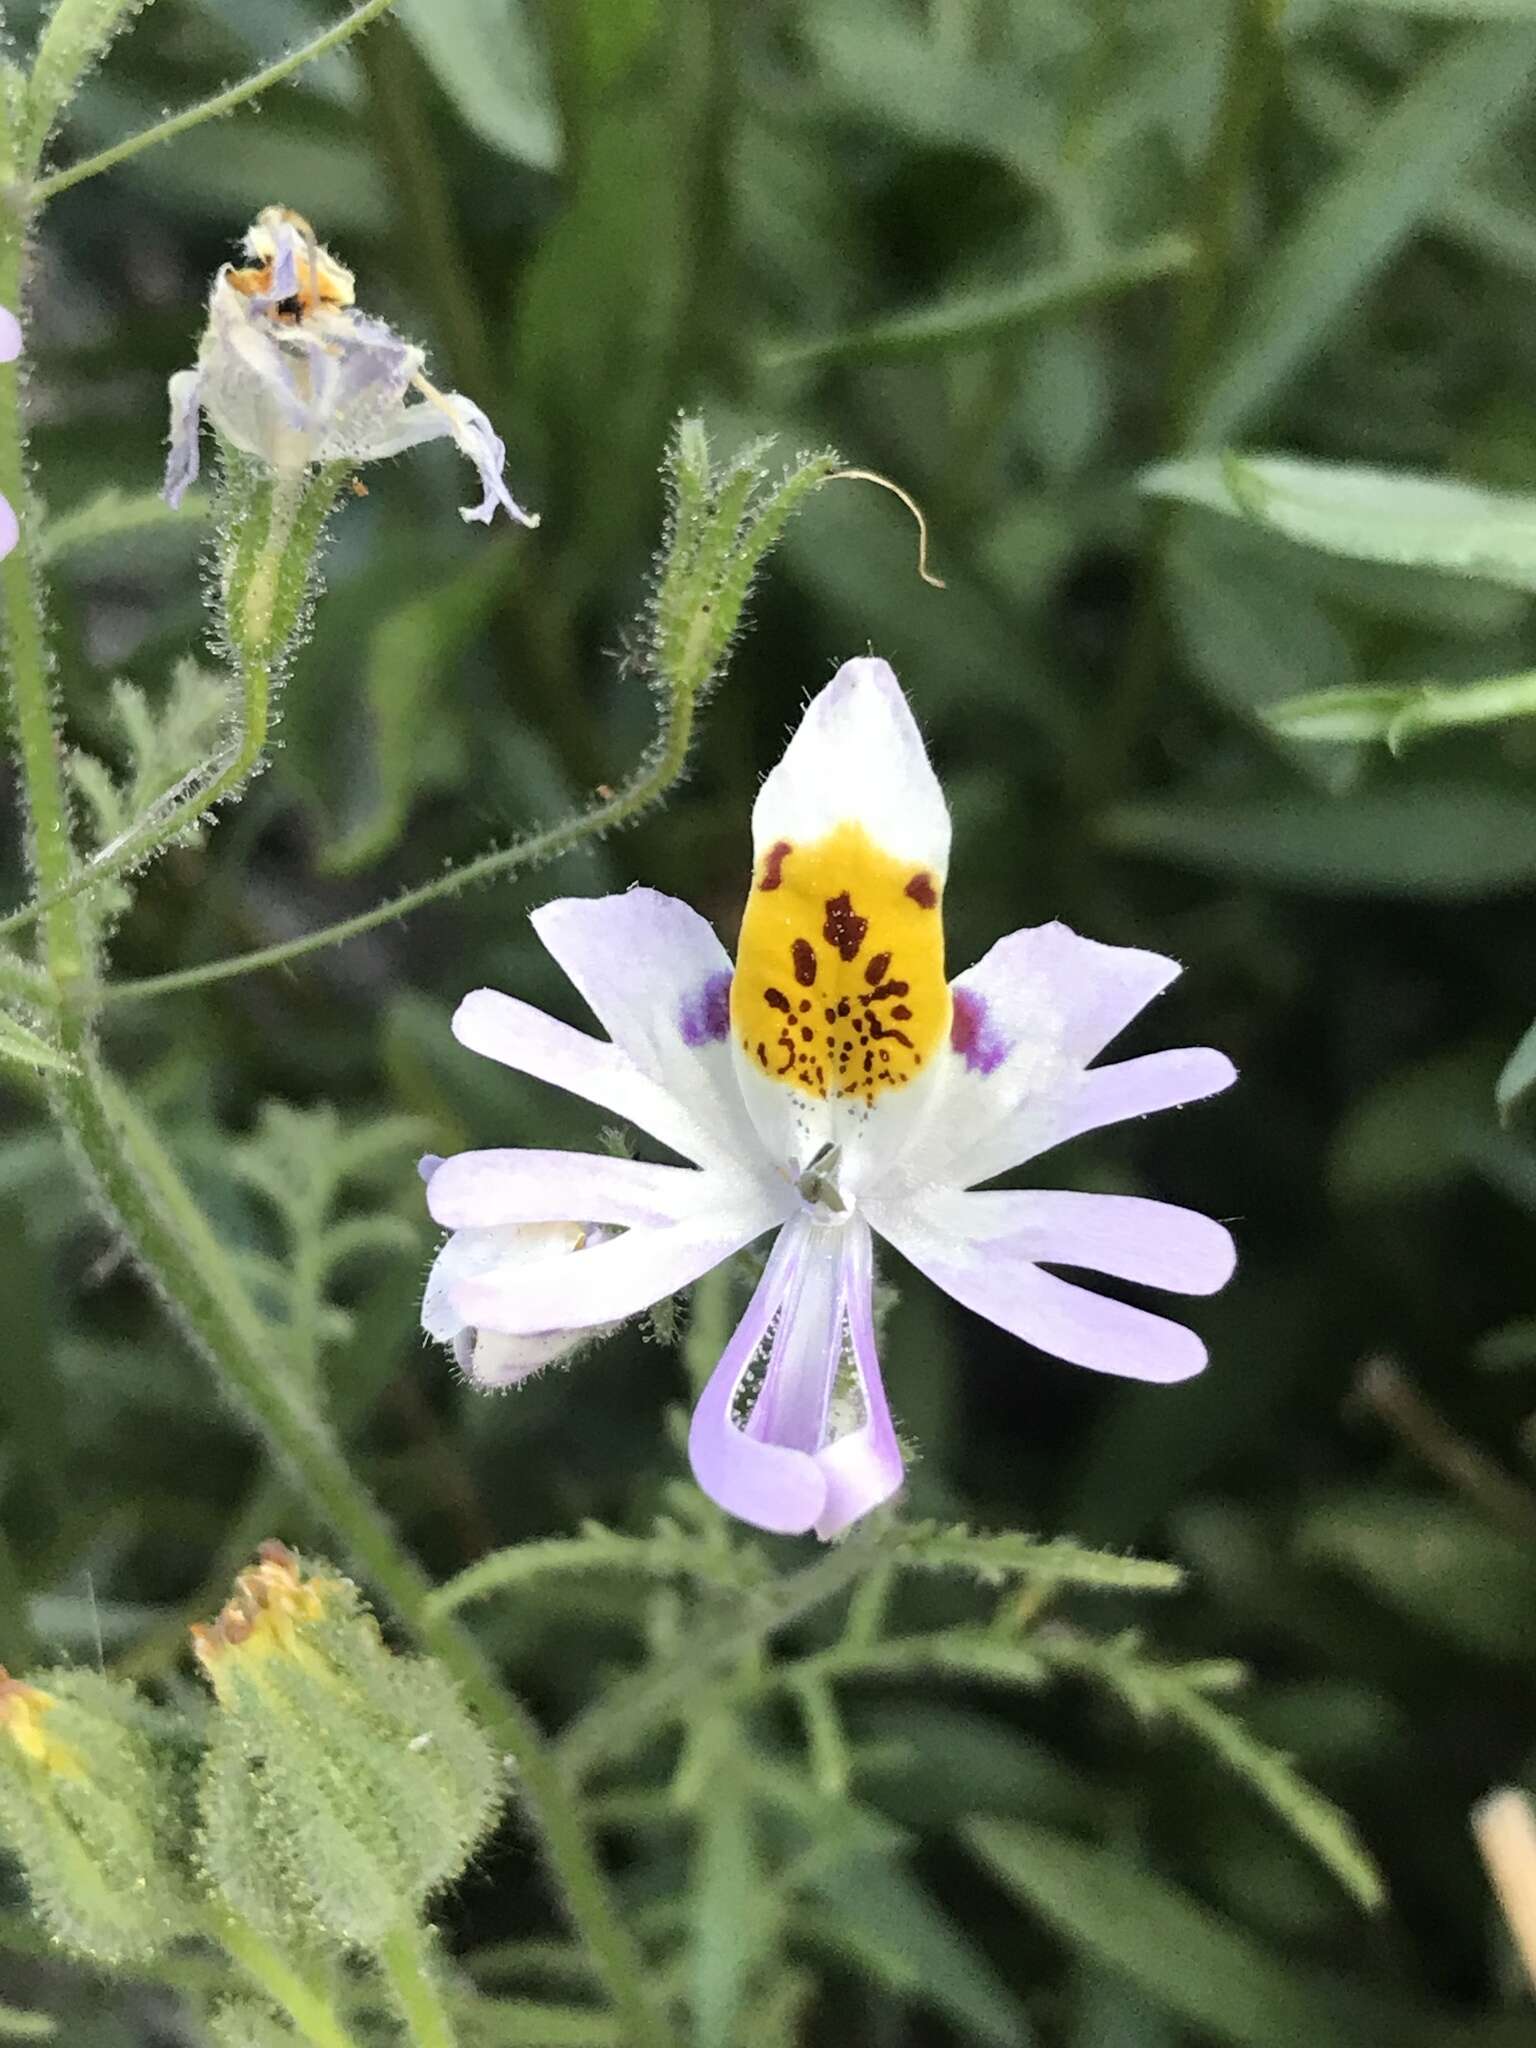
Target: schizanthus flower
[833, 1087]
[10, 349]
[291, 372]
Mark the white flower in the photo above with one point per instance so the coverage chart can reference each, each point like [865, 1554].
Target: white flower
[833, 1087]
[291, 372]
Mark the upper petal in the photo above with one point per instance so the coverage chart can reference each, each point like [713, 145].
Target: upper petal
[185, 392]
[10, 336]
[840, 1008]
[858, 758]
[654, 975]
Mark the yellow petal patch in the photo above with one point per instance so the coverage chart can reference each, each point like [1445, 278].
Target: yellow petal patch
[24, 1710]
[839, 987]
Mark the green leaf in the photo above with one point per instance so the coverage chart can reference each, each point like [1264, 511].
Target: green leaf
[1181, 1693]
[870, 1913]
[417, 741]
[976, 318]
[668, 1552]
[16, 2025]
[1444, 841]
[1368, 515]
[23, 1048]
[1353, 224]
[1200, 1966]
[1251, 626]
[996, 1556]
[488, 58]
[305, 1163]
[114, 515]
[1517, 1078]
[1435, 1561]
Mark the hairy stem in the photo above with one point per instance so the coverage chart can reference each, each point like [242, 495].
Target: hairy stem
[311, 2013]
[210, 109]
[650, 781]
[406, 1962]
[49, 838]
[185, 1263]
[176, 1247]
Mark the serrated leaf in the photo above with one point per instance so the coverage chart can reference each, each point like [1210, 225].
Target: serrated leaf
[668, 1552]
[305, 1164]
[1368, 515]
[1181, 1693]
[996, 1556]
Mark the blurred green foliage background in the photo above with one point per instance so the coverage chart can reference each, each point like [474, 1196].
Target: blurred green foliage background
[1010, 252]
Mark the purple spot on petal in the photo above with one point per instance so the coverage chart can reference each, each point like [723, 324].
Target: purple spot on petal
[977, 1041]
[428, 1164]
[705, 1016]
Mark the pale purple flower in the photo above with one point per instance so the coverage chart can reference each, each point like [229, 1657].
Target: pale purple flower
[290, 371]
[833, 1087]
[10, 349]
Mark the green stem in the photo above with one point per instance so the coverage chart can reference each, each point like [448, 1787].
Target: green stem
[650, 781]
[172, 1240]
[311, 2012]
[208, 110]
[407, 1966]
[50, 842]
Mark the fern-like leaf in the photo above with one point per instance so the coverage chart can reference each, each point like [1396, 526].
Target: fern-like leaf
[305, 1164]
[1183, 1693]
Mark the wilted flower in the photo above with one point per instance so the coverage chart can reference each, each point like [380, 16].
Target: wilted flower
[832, 1086]
[24, 1716]
[342, 1783]
[10, 349]
[291, 372]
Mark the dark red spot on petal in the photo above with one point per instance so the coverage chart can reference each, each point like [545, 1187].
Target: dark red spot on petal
[844, 927]
[878, 968]
[773, 864]
[803, 953]
[776, 999]
[921, 890]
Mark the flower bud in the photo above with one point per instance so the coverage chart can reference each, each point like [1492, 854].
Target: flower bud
[94, 1804]
[342, 1784]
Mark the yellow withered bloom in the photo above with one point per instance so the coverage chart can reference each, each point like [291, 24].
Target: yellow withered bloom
[24, 1711]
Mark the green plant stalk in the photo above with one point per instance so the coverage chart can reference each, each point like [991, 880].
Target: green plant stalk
[49, 835]
[175, 1246]
[312, 2014]
[406, 1964]
[210, 109]
[687, 664]
[186, 1264]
